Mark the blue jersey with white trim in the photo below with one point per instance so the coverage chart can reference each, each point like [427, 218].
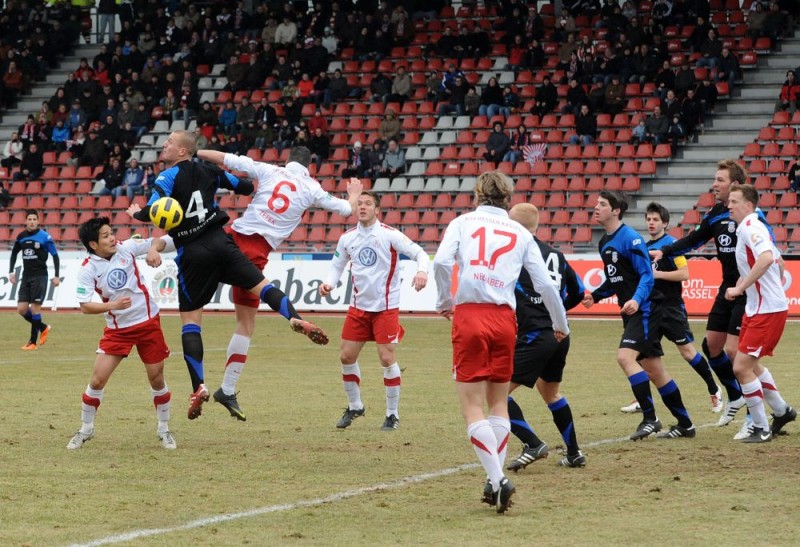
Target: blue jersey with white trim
[34, 246]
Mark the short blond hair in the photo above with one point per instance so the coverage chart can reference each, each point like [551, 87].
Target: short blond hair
[187, 140]
[526, 214]
[736, 172]
[494, 188]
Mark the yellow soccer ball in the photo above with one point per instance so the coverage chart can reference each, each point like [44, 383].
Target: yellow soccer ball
[166, 213]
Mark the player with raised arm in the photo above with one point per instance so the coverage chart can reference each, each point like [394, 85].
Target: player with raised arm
[629, 276]
[34, 244]
[761, 272]
[539, 359]
[277, 207]
[207, 255]
[132, 320]
[490, 250]
[373, 250]
[725, 317]
[670, 273]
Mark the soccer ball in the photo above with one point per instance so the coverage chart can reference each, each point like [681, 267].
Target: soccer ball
[166, 213]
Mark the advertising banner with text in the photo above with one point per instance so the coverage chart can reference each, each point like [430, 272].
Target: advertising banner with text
[300, 279]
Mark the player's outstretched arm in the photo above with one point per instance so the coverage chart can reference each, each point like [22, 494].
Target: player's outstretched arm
[354, 189]
[214, 156]
[102, 307]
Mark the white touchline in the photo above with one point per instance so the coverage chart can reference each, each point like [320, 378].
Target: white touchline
[199, 523]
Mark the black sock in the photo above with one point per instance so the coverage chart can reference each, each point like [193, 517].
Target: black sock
[723, 368]
[192, 343]
[278, 301]
[28, 316]
[671, 396]
[36, 326]
[562, 416]
[519, 427]
[700, 366]
[640, 385]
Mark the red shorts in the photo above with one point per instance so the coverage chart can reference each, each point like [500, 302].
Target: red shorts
[761, 333]
[257, 250]
[382, 327]
[483, 337]
[147, 337]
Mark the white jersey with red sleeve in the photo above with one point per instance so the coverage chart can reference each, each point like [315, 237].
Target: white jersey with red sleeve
[490, 250]
[765, 295]
[115, 278]
[283, 195]
[374, 254]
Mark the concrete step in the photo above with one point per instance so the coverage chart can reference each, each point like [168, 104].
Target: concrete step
[740, 123]
[758, 92]
[707, 151]
[720, 138]
[788, 62]
[750, 107]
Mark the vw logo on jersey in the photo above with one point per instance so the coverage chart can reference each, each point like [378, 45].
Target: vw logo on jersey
[367, 256]
[117, 279]
[594, 278]
[612, 270]
[787, 280]
[724, 240]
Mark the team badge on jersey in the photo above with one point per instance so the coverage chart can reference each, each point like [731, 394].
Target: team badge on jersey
[731, 227]
[367, 256]
[117, 279]
[614, 257]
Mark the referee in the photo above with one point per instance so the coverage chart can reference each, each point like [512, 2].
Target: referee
[35, 244]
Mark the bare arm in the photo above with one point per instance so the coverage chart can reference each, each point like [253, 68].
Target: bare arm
[679, 275]
[214, 156]
[102, 307]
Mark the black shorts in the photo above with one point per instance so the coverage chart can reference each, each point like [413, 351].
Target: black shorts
[206, 262]
[33, 289]
[643, 333]
[543, 357]
[726, 315]
[675, 325]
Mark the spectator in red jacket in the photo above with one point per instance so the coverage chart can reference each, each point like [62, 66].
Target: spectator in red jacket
[790, 94]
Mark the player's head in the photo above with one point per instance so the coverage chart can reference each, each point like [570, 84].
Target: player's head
[657, 217]
[367, 208]
[742, 200]
[31, 219]
[728, 172]
[493, 188]
[180, 145]
[301, 155]
[611, 206]
[98, 237]
[526, 214]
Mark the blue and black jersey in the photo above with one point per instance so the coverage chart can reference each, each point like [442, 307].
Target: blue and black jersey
[35, 246]
[628, 270]
[194, 185]
[532, 315]
[717, 224]
[671, 290]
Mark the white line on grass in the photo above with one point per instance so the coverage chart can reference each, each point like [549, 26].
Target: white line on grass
[199, 523]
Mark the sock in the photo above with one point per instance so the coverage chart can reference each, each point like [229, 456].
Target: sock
[501, 427]
[192, 343]
[700, 366]
[161, 398]
[771, 394]
[237, 356]
[519, 427]
[562, 416]
[391, 381]
[640, 385]
[36, 327]
[28, 316]
[754, 397]
[484, 442]
[91, 401]
[671, 396]
[278, 301]
[723, 368]
[351, 378]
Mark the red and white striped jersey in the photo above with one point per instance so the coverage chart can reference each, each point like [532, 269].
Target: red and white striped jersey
[283, 195]
[374, 253]
[765, 295]
[115, 278]
[491, 250]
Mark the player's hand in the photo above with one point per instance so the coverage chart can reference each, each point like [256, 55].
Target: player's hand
[133, 209]
[420, 281]
[630, 307]
[587, 301]
[122, 304]
[153, 258]
[12, 278]
[732, 293]
[447, 314]
[559, 335]
[656, 255]
[325, 289]
[354, 187]
[56, 281]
